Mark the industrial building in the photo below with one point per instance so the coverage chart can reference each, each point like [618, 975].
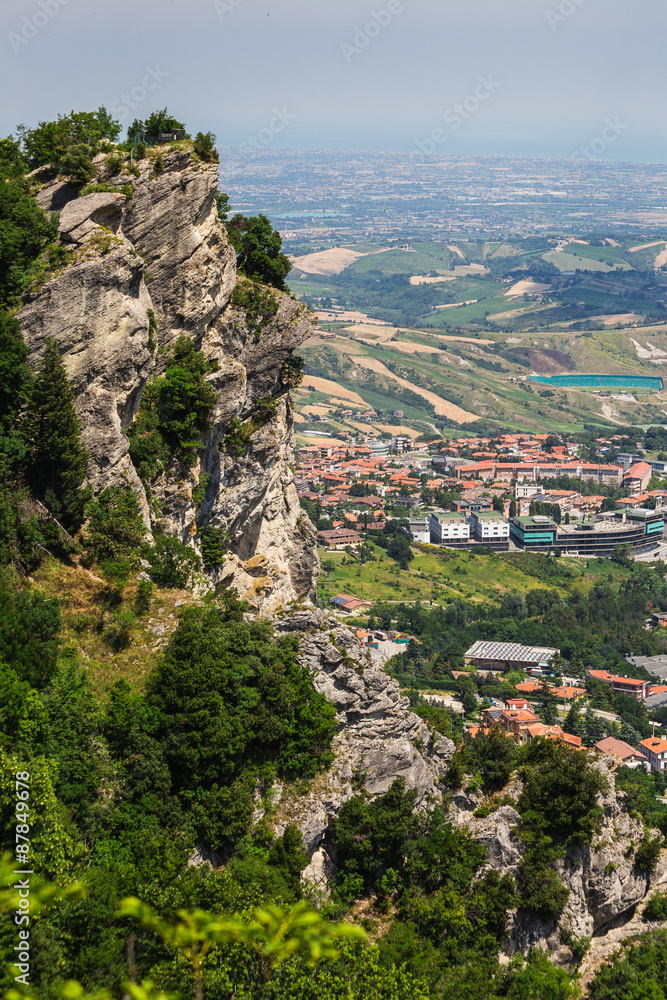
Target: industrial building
[510, 656]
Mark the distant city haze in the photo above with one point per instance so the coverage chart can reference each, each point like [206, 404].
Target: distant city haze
[524, 78]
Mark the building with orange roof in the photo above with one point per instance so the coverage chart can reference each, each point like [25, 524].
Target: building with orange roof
[637, 477]
[528, 687]
[622, 750]
[632, 686]
[515, 722]
[541, 729]
[655, 750]
[569, 693]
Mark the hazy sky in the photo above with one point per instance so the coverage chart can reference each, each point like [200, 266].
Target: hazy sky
[522, 77]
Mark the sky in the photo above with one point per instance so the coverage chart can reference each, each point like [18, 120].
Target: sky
[552, 78]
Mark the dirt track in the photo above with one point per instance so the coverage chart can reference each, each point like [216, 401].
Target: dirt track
[442, 407]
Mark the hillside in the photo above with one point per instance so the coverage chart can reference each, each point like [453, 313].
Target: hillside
[468, 322]
[210, 786]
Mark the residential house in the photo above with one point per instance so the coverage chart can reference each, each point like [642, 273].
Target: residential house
[655, 750]
[625, 753]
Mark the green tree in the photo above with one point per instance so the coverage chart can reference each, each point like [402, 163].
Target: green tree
[204, 147]
[258, 250]
[57, 461]
[491, 755]
[400, 550]
[157, 122]
[175, 409]
[71, 140]
[575, 724]
[115, 527]
[25, 229]
[15, 387]
[223, 206]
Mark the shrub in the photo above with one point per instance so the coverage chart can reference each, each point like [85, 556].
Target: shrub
[158, 165]
[172, 563]
[560, 791]
[213, 546]
[647, 854]
[204, 147]
[541, 890]
[493, 756]
[116, 630]
[291, 371]
[114, 163]
[238, 436]
[143, 600]
[259, 305]
[175, 409]
[115, 526]
[656, 908]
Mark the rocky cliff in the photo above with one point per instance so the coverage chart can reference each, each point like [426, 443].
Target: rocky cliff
[149, 262]
[605, 886]
[378, 738]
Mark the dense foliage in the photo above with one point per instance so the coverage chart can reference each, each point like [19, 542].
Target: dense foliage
[594, 629]
[25, 229]
[175, 409]
[258, 250]
[70, 142]
[57, 462]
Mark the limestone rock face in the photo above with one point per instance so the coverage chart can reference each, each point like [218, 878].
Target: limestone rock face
[378, 740]
[172, 221]
[97, 311]
[604, 884]
[147, 266]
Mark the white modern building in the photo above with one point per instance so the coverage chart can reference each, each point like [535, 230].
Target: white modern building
[655, 750]
[489, 526]
[448, 528]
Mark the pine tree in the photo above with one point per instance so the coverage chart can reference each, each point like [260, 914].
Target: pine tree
[593, 728]
[57, 460]
[15, 377]
[575, 724]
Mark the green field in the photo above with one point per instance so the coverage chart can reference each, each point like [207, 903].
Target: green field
[439, 575]
[570, 262]
[615, 256]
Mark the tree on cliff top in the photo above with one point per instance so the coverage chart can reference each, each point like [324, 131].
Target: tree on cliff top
[157, 123]
[75, 137]
[258, 250]
[57, 460]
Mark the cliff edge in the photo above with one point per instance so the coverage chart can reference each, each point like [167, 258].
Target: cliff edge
[148, 261]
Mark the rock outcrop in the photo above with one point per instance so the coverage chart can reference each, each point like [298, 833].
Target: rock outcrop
[378, 740]
[604, 883]
[149, 262]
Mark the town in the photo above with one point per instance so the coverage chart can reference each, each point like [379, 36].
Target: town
[494, 492]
